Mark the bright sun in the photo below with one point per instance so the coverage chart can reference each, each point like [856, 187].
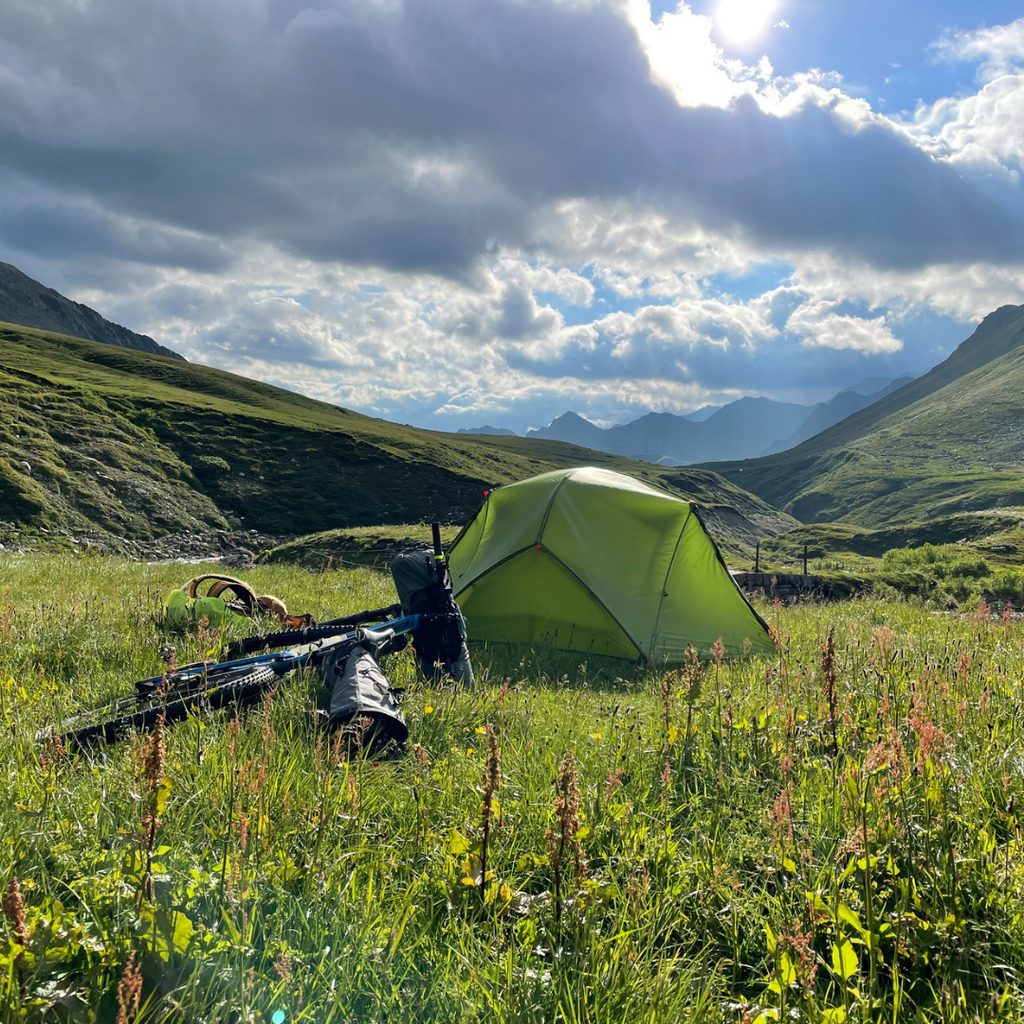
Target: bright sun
[742, 21]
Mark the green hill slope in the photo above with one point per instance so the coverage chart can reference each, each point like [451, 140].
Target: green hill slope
[98, 438]
[950, 441]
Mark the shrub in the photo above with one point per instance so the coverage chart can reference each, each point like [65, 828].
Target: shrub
[210, 467]
[1008, 585]
[943, 561]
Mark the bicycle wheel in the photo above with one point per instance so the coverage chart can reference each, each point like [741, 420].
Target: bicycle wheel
[216, 689]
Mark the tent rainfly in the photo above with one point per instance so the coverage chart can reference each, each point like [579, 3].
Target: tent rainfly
[590, 560]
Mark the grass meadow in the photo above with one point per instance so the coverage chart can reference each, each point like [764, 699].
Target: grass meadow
[829, 836]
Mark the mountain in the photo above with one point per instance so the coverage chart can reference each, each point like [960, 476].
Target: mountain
[573, 428]
[486, 429]
[950, 441]
[701, 414]
[837, 408]
[110, 440]
[28, 303]
[735, 431]
[874, 385]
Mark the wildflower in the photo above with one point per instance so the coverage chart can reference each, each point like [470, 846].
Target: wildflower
[806, 963]
[489, 783]
[830, 675]
[283, 966]
[596, 736]
[782, 816]
[561, 836]
[718, 651]
[153, 756]
[428, 710]
[129, 991]
[14, 911]
[479, 730]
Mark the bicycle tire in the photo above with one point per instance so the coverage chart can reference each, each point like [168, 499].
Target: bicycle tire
[110, 722]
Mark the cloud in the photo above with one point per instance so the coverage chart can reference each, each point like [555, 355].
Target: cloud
[426, 137]
[818, 324]
[82, 230]
[471, 207]
[998, 50]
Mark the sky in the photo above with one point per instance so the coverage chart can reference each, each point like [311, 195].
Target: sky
[452, 213]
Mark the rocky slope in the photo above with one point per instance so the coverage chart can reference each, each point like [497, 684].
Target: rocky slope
[28, 303]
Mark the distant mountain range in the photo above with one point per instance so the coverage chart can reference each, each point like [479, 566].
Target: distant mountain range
[951, 441]
[28, 303]
[487, 429]
[735, 431]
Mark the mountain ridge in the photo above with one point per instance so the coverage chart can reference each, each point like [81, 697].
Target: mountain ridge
[736, 430]
[27, 303]
[950, 441]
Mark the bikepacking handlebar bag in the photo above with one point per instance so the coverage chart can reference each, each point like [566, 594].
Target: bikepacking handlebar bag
[362, 696]
[422, 590]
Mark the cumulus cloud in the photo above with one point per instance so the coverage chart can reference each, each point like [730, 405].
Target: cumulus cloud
[981, 129]
[998, 49]
[421, 136]
[465, 207]
[818, 324]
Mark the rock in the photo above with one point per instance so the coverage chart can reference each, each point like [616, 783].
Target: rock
[787, 587]
[25, 466]
[234, 522]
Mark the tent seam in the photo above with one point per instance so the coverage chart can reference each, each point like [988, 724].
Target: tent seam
[551, 504]
[668, 572]
[601, 604]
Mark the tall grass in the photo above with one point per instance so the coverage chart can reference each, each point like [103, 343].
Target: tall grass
[831, 835]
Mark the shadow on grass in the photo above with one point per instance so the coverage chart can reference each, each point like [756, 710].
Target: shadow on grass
[547, 667]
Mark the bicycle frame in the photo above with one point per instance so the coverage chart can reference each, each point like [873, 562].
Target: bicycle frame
[285, 661]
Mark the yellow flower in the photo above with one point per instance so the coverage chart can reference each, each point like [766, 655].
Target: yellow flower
[596, 736]
[470, 750]
[428, 710]
[479, 730]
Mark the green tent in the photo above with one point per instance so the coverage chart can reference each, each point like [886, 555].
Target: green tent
[591, 560]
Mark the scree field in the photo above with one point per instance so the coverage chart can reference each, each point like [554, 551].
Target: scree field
[831, 835]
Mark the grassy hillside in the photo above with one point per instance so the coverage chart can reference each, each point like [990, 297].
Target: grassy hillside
[950, 441]
[997, 534]
[94, 437]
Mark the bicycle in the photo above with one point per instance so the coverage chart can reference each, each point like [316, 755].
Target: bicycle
[359, 688]
[201, 686]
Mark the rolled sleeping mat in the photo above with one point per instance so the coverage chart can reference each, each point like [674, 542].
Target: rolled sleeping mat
[360, 691]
